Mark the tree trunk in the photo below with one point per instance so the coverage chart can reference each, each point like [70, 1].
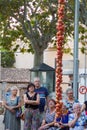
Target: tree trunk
[38, 58]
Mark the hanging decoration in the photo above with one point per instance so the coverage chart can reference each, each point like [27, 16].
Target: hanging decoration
[59, 44]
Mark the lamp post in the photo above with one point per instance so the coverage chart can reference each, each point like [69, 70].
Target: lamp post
[85, 70]
[76, 24]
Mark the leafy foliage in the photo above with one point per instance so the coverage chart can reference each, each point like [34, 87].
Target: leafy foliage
[7, 59]
[34, 22]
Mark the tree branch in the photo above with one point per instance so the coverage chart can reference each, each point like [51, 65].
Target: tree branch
[83, 12]
[25, 30]
[24, 10]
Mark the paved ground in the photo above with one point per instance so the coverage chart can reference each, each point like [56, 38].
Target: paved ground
[1, 122]
[2, 125]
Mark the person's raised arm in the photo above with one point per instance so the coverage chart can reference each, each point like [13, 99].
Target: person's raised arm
[72, 123]
[83, 107]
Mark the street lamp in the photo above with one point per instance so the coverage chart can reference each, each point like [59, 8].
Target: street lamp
[75, 68]
[85, 68]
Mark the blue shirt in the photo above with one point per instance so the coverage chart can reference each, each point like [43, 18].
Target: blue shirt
[43, 92]
[64, 118]
[79, 125]
[69, 105]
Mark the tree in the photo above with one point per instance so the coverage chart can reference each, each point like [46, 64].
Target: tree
[34, 22]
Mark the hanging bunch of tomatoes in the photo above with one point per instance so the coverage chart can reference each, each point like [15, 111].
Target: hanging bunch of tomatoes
[59, 44]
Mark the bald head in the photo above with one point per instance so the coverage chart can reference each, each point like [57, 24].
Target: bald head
[37, 82]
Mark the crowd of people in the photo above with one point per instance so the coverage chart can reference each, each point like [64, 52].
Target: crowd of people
[40, 112]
